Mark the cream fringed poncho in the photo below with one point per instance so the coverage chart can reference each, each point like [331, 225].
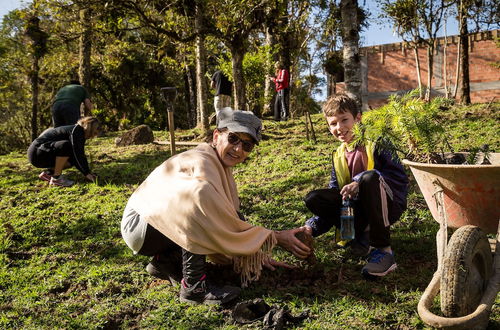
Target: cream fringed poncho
[192, 199]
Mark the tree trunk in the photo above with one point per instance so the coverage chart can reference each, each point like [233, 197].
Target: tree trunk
[430, 71]
[268, 84]
[84, 71]
[417, 66]
[464, 95]
[445, 63]
[201, 86]
[350, 41]
[331, 83]
[457, 72]
[34, 98]
[38, 49]
[237, 52]
[190, 95]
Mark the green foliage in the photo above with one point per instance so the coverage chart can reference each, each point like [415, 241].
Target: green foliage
[404, 14]
[15, 110]
[407, 125]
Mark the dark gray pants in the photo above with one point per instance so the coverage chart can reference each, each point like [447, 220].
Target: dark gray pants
[65, 114]
[193, 265]
[280, 105]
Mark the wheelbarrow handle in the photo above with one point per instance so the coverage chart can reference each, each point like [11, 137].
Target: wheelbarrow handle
[478, 318]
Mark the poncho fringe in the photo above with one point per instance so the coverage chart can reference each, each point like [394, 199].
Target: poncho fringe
[250, 267]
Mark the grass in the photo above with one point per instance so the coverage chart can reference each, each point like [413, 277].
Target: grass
[63, 263]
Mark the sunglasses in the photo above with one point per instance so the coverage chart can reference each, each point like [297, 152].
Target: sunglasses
[235, 139]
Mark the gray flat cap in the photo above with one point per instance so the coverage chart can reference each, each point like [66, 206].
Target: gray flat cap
[239, 121]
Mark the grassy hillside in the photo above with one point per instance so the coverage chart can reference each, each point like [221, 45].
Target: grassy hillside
[63, 263]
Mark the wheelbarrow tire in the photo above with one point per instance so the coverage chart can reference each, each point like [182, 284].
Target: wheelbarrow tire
[467, 267]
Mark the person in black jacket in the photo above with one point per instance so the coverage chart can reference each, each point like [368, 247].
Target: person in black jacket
[62, 147]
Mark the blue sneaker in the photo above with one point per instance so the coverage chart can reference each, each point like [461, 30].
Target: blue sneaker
[379, 264]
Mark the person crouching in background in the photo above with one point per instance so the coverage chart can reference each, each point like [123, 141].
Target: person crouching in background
[62, 147]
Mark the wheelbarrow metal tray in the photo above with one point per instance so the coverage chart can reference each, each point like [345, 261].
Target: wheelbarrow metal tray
[471, 192]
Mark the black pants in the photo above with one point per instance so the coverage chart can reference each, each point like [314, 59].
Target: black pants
[157, 243]
[65, 114]
[326, 204]
[44, 156]
[280, 105]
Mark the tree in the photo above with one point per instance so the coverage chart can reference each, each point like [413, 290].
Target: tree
[406, 22]
[15, 95]
[463, 6]
[85, 50]
[38, 50]
[432, 17]
[270, 28]
[350, 42]
[232, 21]
[201, 65]
[482, 14]
[412, 18]
[329, 44]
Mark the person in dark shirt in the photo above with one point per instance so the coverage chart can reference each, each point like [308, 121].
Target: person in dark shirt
[223, 88]
[62, 147]
[66, 106]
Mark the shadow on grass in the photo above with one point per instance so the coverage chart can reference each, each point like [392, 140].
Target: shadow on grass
[130, 170]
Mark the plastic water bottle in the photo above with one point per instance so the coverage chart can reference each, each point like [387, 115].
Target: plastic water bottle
[346, 220]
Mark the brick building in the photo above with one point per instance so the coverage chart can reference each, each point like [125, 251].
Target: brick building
[391, 68]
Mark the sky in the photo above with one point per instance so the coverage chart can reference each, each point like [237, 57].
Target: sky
[376, 34]
[8, 5]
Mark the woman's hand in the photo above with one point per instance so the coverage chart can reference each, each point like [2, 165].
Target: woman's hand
[350, 190]
[91, 177]
[270, 264]
[288, 241]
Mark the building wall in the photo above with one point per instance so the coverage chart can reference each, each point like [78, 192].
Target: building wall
[391, 68]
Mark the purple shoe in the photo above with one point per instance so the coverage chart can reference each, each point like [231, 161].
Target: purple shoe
[45, 176]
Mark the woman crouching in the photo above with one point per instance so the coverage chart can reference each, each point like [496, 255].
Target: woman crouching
[188, 208]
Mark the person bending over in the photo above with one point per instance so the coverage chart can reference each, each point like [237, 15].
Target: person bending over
[66, 107]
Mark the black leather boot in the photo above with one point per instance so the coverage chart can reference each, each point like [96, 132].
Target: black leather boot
[167, 266]
[196, 289]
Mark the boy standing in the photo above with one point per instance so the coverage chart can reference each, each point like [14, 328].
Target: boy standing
[371, 178]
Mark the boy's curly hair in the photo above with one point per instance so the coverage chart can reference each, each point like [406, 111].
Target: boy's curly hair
[340, 103]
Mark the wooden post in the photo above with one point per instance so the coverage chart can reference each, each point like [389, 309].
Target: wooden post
[169, 95]
[171, 130]
[307, 125]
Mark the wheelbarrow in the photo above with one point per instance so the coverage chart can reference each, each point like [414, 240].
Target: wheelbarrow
[465, 198]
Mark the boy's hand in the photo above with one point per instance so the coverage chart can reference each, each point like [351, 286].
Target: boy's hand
[350, 190]
[288, 241]
[308, 230]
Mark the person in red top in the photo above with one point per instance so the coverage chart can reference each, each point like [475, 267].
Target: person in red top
[281, 82]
